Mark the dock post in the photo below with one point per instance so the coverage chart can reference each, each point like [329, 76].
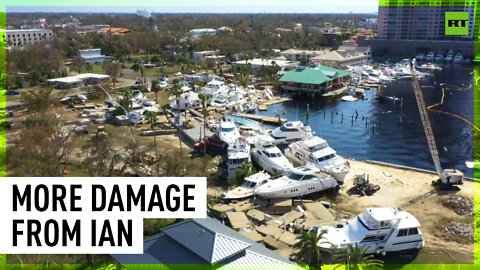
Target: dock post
[332, 118]
[308, 111]
[342, 118]
[373, 128]
[366, 121]
[352, 120]
[401, 104]
[356, 114]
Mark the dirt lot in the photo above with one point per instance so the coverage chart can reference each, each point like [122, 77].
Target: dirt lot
[399, 189]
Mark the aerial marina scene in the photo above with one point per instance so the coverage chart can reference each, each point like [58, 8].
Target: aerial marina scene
[316, 135]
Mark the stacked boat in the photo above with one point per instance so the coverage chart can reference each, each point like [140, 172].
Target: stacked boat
[316, 151]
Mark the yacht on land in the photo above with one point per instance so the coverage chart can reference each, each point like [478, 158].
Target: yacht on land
[248, 186]
[238, 154]
[269, 157]
[382, 230]
[291, 132]
[228, 131]
[430, 56]
[458, 58]
[316, 151]
[188, 100]
[299, 182]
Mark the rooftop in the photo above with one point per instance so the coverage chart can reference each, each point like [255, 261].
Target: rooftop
[204, 241]
[314, 74]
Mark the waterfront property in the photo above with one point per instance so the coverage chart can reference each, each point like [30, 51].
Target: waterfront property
[340, 58]
[205, 241]
[257, 63]
[22, 37]
[77, 81]
[315, 78]
[92, 56]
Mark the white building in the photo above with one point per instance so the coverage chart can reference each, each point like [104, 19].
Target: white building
[23, 37]
[144, 13]
[257, 63]
[298, 54]
[77, 81]
[198, 33]
[208, 57]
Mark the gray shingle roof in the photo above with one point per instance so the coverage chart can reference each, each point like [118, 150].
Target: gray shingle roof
[205, 241]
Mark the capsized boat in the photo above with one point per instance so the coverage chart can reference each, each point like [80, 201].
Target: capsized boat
[269, 157]
[228, 131]
[316, 151]
[289, 132]
[248, 186]
[382, 230]
[299, 182]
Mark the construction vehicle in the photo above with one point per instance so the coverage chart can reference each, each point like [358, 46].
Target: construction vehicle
[448, 177]
[362, 185]
[101, 131]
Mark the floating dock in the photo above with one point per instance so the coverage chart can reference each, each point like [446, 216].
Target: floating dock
[263, 119]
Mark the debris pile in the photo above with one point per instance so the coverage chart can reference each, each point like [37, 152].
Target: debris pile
[462, 230]
[461, 205]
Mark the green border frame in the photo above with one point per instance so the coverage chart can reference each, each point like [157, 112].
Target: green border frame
[6, 3]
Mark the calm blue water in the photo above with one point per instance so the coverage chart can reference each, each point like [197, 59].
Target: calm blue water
[392, 141]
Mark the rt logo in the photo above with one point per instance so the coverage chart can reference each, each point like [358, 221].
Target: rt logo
[456, 23]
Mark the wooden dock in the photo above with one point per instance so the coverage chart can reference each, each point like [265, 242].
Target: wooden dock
[264, 105]
[335, 92]
[263, 119]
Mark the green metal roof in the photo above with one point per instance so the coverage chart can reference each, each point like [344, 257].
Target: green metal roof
[314, 74]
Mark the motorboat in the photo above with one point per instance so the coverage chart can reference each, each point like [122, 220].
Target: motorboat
[349, 98]
[291, 132]
[247, 189]
[188, 100]
[430, 56]
[219, 101]
[438, 58]
[458, 58]
[299, 182]
[381, 230]
[238, 154]
[420, 57]
[449, 56]
[316, 151]
[228, 131]
[267, 155]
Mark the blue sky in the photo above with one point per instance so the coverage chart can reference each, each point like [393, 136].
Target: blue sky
[245, 6]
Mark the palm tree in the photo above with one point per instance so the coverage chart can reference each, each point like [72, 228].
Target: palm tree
[176, 90]
[152, 119]
[204, 98]
[155, 88]
[354, 258]
[308, 247]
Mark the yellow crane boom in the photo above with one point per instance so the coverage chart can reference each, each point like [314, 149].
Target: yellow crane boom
[422, 108]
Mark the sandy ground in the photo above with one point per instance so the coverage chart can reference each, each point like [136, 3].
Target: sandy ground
[400, 189]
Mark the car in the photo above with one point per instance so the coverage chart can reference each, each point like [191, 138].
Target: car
[177, 74]
[13, 92]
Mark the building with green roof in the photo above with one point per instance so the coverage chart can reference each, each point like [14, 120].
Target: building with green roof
[314, 78]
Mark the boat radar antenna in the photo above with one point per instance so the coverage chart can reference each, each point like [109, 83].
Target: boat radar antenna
[425, 120]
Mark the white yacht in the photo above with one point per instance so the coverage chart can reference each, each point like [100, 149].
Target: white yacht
[238, 154]
[248, 186]
[291, 132]
[228, 131]
[316, 150]
[188, 100]
[449, 56]
[438, 57]
[458, 58]
[269, 157]
[430, 56]
[382, 230]
[299, 182]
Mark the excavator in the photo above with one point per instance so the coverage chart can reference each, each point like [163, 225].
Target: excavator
[447, 178]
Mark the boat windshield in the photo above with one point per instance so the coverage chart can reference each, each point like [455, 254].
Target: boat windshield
[325, 158]
[228, 129]
[272, 155]
[248, 184]
[295, 176]
[285, 129]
